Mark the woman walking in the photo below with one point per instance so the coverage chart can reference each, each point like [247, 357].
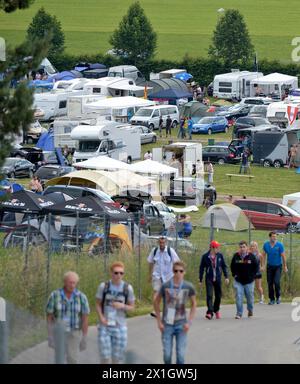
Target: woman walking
[258, 280]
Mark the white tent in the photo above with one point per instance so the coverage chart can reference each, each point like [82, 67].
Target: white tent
[153, 168]
[102, 163]
[292, 200]
[275, 83]
[226, 216]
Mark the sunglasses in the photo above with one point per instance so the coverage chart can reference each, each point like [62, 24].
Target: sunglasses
[119, 273]
[178, 271]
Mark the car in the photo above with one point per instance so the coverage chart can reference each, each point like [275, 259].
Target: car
[147, 136]
[258, 111]
[249, 122]
[220, 154]
[50, 171]
[166, 212]
[256, 101]
[182, 189]
[14, 167]
[77, 192]
[234, 112]
[35, 155]
[211, 125]
[268, 215]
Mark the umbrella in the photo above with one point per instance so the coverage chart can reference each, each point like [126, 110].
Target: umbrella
[183, 76]
[88, 206]
[59, 197]
[26, 202]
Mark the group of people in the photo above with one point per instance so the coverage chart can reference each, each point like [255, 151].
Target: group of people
[114, 298]
[185, 128]
[169, 123]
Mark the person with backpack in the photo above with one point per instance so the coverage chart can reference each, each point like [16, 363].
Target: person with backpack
[113, 300]
[213, 265]
[161, 260]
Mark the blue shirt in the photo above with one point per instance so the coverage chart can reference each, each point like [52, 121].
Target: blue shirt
[274, 253]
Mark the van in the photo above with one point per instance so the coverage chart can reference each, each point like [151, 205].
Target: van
[150, 116]
[128, 71]
[268, 215]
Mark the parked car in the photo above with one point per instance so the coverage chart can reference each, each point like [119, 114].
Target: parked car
[268, 215]
[256, 101]
[220, 154]
[183, 189]
[234, 112]
[50, 171]
[166, 212]
[249, 122]
[14, 167]
[77, 192]
[35, 155]
[211, 125]
[258, 111]
[147, 136]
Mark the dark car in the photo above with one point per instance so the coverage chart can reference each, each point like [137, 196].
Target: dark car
[14, 167]
[77, 192]
[234, 112]
[183, 189]
[48, 172]
[35, 155]
[220, 154]
[258, 111]
[248, 122]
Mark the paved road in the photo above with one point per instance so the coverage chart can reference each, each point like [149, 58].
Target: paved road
[267, 338]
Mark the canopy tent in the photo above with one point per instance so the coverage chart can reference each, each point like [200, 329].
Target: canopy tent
[292, 200]
[153, 168]
[273, 84]
[102, 163]
[171, 94]
[226, 216]
[111, 183]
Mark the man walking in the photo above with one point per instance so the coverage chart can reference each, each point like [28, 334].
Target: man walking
[168, 126]
[273, 250]
[213, 265]
[161, 260]
[244, 268]
[113, 300]
[244, 162]
[175, 295]
[160, 126]
[69, 308]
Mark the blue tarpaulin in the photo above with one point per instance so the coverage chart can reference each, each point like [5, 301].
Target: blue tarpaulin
[183, 76]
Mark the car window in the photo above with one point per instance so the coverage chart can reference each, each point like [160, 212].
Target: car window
[256, 207]
[156, 113]
[149, 211]
[206, 149]
[164, 112]
[273, 209]
[155, 211]
[242, 204]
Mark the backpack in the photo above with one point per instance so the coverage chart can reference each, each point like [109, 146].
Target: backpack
[168, 250]
[106, 289]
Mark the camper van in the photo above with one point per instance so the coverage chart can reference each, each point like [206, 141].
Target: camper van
[128, 71]
[106, 139]
[285, 113]
[234, 85]
[150, 116]
[77, 105]
[113, 87]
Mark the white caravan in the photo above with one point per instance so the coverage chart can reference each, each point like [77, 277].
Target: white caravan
[77, 105]
[107, 139]
[234, 85]
[113, 87]
[285, 113]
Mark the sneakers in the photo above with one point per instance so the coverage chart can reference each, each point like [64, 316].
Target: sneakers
[250, 314]
[278, 301]
[262, 300]
[238, 317]
[218, 315]
[152, 314]
[272, 302]
[209, 316]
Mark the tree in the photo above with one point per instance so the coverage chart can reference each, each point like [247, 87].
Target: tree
[43, 25]
[135, 38]
[16, 105]
[12, 5]
[231, 42]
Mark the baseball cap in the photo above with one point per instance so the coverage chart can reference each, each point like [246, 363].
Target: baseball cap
[215, 244]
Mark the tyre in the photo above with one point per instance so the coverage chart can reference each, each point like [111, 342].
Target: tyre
[154, 139]
[292, 228]
[174, 124]
[209, 131]
[277, 164]
[267, 163]
[221, 161]
[151, 127]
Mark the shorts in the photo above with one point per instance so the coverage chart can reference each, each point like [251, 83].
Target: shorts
[156, 284]
[112, 343]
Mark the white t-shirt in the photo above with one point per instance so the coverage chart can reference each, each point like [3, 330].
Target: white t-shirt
[163, 263]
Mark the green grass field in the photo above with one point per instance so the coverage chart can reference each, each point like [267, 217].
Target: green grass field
[182, 27]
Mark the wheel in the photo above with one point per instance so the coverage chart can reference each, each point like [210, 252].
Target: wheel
[12, 175]
[292, 228]
[151, 127]
[209, 131]
[129, 160]
[154, 139]
[277, 164]
[221, 161]
[267, 163]
[174, 124]
[226, 129]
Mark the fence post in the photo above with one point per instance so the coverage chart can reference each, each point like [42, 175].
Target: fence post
[212, 227]
[59, 342]
[49, 252]
[3, 332]
[27, 243]
[106, 236]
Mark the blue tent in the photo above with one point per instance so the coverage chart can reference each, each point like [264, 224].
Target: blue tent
[183, 76]
[46, 141]
[67, 75]
[171, 94]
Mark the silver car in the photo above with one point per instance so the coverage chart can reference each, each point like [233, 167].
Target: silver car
[147, 136]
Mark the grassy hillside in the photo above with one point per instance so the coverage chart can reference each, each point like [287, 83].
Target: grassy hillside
[182, 26]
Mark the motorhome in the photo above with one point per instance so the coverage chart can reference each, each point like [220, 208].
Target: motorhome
[234, 85]
[150, 116]
[113, 87]
[107, 139]
[285, 113]
[77, 105]
[127, 71]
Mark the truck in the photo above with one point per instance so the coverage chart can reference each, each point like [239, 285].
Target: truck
[107, 139]
[234, 85]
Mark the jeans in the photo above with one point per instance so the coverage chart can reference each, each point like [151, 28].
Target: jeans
[248, 291]
[273, 277]
[211, 287]
[168, 335]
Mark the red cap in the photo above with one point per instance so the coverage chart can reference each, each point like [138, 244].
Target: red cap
[215, 244]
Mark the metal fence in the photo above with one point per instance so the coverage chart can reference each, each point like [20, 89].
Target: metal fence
[34, 258]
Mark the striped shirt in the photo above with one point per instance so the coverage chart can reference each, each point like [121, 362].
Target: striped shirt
[69, 311]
